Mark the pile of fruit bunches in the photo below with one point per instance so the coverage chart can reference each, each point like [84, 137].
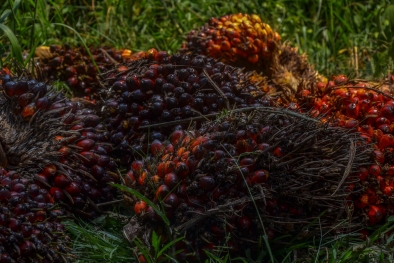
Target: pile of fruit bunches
[211, 145]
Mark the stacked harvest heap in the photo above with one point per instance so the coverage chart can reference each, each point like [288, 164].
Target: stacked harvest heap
[54, 152]
[75, 66]
[220, 185]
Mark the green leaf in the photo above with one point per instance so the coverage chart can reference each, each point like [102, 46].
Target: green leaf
[15, 47]
[389, 15]
[143, 198]
[212, 256]
[155, 241]
[169, 245]
[4, 15]
[16, 5]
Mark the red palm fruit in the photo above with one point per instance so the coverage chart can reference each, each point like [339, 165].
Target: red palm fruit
[340, 79]
[372, 196]
[260, 176]
[388, 190]
[140, 207]
[169, 149]
[164, 168]
[390, 170]
[374, 170]
[378, 134]
[151, 53]
[244, 224]
[129, 178]
[182, 170]
[86, 144]
[176, 137]
[353, 110]
[278, 152]
[141, 259]
[162, 191]
[156, 147]
[362, 174]
[171, 180]
[386, 140]
[142, 177]
[62, 181]
[73, 188]
[366, 129]
[172, 200]
[364, 233]
[28, 111]
[350, 124]
[27, 248]
[137, 166]
[57, 193]
[387, 111]
[375, 214]
[379, 156]
[248, 163]
[362, 202]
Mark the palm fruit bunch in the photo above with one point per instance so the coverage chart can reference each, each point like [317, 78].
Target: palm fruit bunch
[222, 186]
[160, 88]
[30, 223]
[365, 108]
[76, 68]
[236, 38]
[245, 41]
[56, 142]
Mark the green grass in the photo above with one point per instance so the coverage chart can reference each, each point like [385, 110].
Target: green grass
[328, 31]
[348, 36]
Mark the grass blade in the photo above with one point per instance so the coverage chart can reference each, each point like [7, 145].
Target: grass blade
[15, 47]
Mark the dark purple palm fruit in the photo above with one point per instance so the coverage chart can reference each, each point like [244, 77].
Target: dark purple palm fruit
[236, 179]
[63, 146]
[169, 90]
[76, 68]
[30, 224]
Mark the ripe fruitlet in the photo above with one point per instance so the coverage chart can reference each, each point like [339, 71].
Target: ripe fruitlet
[139, 207]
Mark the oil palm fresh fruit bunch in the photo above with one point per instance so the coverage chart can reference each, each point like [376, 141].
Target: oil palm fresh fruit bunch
[55, 142]
[365, 108]
[77, 68]
[236, 38]
[223, 186]
[30, 223]
[54, 159]
[174, 90]
[245, 41]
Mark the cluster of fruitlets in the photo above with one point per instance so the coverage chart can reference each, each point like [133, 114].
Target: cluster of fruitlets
[55, 143]
[370, 112]
[75, 67]
[163, 88]
[30, 227]
[236, 39]
[217, 183]
[244, 41]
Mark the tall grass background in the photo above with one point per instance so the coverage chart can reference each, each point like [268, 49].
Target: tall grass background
[339, 37]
